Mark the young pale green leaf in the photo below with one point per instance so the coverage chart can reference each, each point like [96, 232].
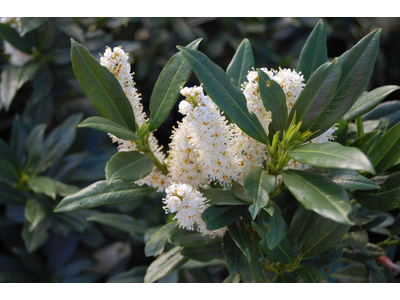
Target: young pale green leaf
[365, 142]
[204, 253]
[12, 36]
[43, 185]
[35, 212]
[119, 221]
[165, 264]
[316, 95]
[332, 155]
[240, 237]
[101, 87]
[383, 199]
[241, 63]
[9, 195]
[350, 180]
[156, 244]
[222, 197]
[281, 253]
[128, 166]
[100, 193]
[357, 65]
[310, 274]
[386, 151]
[29, 24]
[276, 225]
[218, 216]
[369, 101]
[224, 93]
[319, 193]
[314, 52]
[167, 89]
[106, 125]
[258, 184]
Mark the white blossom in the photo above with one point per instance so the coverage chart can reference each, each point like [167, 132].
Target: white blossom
[108, 257]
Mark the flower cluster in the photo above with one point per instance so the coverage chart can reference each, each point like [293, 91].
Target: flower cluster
[108, 257]
[188, 204]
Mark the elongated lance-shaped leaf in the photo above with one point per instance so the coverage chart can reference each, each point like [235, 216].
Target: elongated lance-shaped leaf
[311, 275]
[12, 36]
[274, 100]
[218, 216]
[128, 166]
[365, 142]
[121, 222]
[106, 125]
[314, 52]
[316, 94]
[369, 101]
[332, 155]
[357, 66]
[100, 193]
[29, 24]
[167, 89]
[43, 184]
[101, 87]
[350, 179]
[222, 91]
[241, 63]
[239, 235]
[276, 225]
[320, 194]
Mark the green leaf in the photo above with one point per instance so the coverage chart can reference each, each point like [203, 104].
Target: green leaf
[218, 216]
[65, 190]
[375, 275]
[8, 172]
[238, 190]
[12, 36]
[388, 110]
[314, 52]
[310, 274]
[221, 90]
[395, 228]
[222, 197]
[316, 95]
[240, 237]
[357, 66]
[35, 212]
[36, 238]
[29, 24]
[276, 226]
[235, 258]
[9, 195]
[7, 154]
[319, 193]
[274, 100]
[352, 274]
[386, 150]
[188, 238]
[167, 88]
[332, 155]
[156, 244]
[325, 259]
[365, 142]
[101, 87]
[383, 199]
[252, 271]
[350, 180]
[100, 193]
[119, 221]
[105, 125]
[204, 253]
[369, 101]
[358, 240]
[285, 278]
[165, 264]
[134, 275]
[360, 255]
[43, 185]
[70, 28]
[34, 146]
[258, 184]
[281, 253]
[128, 166]
[241, 63]
[18, 137]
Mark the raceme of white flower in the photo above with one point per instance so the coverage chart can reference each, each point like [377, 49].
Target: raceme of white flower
[188, 204]
[17, 57]
[210, 135]
[116, 61]
[108, 257]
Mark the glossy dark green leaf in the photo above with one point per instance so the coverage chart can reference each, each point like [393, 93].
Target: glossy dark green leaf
[35, 212]
[357, 66]
[36, 238]
[386, 151]
[365, 142]
[120, 222]
[165, 264]
[204, 253]
[395, 229]
[285, 278]
[357, 273]
[281, 253]
[258, 184]
[156, 244]
[325, 259]
[319, 193]
[9, 195]
[388, 110]
[101, 87]
[375, 275]
[12, 36]
[222, 91]
[8, 172]
[34, 146]
[241, 63]
[134, 275]
[238, 190]
[128, 166]
[43, 185]
[241, 238]
[222, 197]
[70, 28]
[360, 255]
[316, 95]
[369, 101]
[187, 238]
[218, 216]
[106, 125]
[29, 24]
[314, 52]
[332, 155]
[252, 271]
[358, 240]
[310, 274]
[167, 88]
[7, 154]
[350, 180]
[276, 226]
[383, 199]
[100, 193]
[235, 258]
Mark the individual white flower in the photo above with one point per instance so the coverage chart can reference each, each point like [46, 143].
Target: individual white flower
[108, 257]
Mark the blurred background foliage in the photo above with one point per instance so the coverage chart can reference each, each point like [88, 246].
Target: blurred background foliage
[53, 94]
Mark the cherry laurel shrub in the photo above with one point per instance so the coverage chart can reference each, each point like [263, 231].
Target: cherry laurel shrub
[272, 175]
